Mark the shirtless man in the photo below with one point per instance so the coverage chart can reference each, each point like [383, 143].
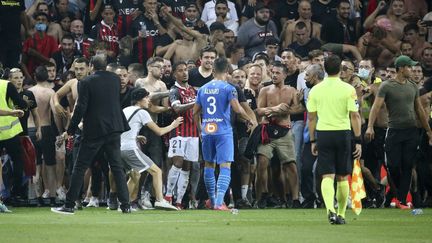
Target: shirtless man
[305, 15]
[394, 14]
[273, 106]
[45, 147]
[70, 89]
[153, 84]
[190, 50]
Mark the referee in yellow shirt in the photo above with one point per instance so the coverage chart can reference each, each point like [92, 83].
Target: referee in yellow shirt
[333, 109]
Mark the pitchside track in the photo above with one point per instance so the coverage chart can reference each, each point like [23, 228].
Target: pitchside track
[280, 225]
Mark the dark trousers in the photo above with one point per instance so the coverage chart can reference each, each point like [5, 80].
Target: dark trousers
[14, 149]
[153, 149]
[88, 149]
[401, 150]
[307, 175]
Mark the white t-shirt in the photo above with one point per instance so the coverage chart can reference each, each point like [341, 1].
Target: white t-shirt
[140, 119]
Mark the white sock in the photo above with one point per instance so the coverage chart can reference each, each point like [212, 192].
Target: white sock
[182, 185]
[173, 176]
[244, 191]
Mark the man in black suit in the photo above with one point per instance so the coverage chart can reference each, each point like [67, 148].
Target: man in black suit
[98, 106]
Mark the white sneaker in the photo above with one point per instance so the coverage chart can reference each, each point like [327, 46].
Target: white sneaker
[193, 204]
[145, 200]
[46, 194]
[94, 202]
[163, 204]
[4, 209]
[61, 194]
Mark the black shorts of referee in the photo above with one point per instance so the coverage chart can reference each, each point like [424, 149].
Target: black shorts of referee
[334, 152]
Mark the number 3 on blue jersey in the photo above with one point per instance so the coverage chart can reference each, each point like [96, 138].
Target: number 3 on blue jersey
[212, 105]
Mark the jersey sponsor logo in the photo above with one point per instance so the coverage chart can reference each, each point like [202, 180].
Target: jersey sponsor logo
[265, 34]
[211, 128]
[110, 38]
[126, 11]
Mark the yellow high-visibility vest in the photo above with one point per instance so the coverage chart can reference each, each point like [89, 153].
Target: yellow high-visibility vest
[9, 126]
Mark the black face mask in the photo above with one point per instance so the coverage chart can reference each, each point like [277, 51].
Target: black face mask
[309, 85]
[50, 81]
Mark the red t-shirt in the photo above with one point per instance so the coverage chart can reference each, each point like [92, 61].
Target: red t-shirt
[46, 46]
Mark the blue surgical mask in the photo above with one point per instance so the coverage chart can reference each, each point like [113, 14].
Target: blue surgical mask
[41, 27]
[363, 73]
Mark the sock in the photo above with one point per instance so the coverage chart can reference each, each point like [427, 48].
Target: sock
[328, 193]
[222, 184]
[182, 184]
[210, 183]
[342, 194]
[173, 176]
[244, 191]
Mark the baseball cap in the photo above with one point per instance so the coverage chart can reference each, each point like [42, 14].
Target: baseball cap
[217, 26]
[259, 6]
[191, 5]
[402, 61]
[139, 94]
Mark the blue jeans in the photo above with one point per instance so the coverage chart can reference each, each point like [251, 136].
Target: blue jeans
[297, 130]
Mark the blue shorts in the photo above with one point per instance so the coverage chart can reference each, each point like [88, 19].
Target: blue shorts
[218, 148]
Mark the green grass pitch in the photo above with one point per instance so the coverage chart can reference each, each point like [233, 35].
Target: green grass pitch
[277, 225]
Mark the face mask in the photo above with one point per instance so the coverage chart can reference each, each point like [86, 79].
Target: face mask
[363, 73]
[41, 27]
[309, 85]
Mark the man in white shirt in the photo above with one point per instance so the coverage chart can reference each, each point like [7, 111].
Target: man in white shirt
[209, 14]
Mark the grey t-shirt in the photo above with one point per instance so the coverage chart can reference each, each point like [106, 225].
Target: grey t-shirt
[399, 99]
[253, 37]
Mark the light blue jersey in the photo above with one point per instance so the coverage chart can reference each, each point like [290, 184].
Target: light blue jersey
[214, 99]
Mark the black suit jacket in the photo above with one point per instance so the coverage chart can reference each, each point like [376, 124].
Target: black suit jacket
[98, 105]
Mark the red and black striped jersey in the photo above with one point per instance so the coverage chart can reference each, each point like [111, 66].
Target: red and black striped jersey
[182, 95]
[108, 34]
[124, 10]
[144, 47]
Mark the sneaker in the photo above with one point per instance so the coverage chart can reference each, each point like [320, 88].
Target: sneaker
[296, 204]
[402, 206]
[145, 200]
[46, 194]
[208, 204]
[134, 206]
[179, 206]
[163, 204]
[380, 197]
[273, 202]
[262, 203]
[4, 209]
[63, 210]
[94, 202]
[126, 210]
[244, 204]
[193, 204]
[222, 207]
[112, 201]
[332, 217]
[308, 203]
[340, 220]
[61, 194]
[78, 205]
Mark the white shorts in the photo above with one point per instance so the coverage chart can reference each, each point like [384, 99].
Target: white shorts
[186, 147]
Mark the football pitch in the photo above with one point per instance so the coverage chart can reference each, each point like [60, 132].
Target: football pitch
[271, 225]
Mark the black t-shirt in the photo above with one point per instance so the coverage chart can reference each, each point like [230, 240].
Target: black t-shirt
[125, 98]
[241, 128]
[177, 6]
[321, 12]
[241, 98]
[291, 80]
[29, 97]
[427, 72]
[10, 22]
[196, 79]
[284, 10]
[333, 31]
[304, 50]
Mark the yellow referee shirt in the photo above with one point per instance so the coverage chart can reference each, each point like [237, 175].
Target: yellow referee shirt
[333, 100]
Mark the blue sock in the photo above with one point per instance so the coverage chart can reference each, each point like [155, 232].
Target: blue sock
[222, 184]
[210, 183]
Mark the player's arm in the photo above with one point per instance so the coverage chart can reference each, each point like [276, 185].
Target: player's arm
[164, 130]
[237, 108]
[197, 116]
[15, 113]
[249, 111]
[176, 105]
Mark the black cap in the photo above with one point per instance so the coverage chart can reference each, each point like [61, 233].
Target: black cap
[191, 5]
[259, 6]
[217, 26]
[139, 94]
[272, 41]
